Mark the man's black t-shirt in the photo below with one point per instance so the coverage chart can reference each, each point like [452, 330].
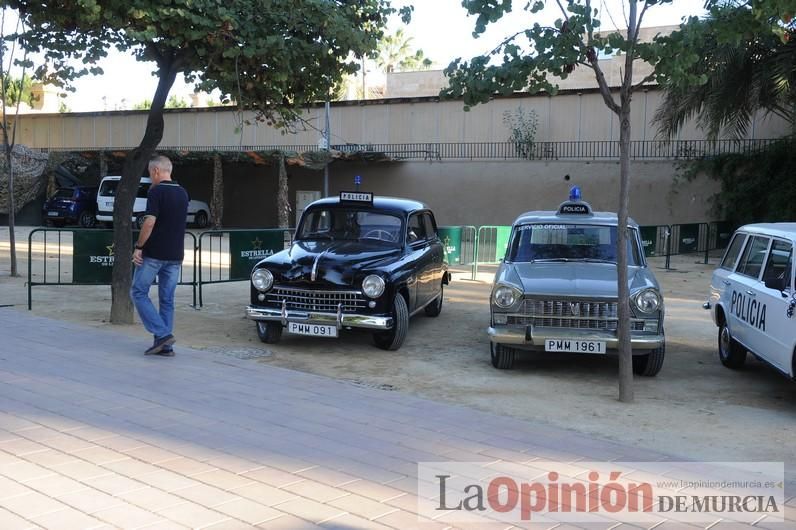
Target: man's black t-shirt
[168, 203]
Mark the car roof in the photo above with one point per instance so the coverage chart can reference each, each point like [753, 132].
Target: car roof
[144, 179]
[783, 230]
[553, 217]
[379, 203]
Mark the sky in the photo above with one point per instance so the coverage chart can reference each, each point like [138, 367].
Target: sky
[441, 28]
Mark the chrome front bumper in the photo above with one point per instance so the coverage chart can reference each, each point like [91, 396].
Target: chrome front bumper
[535, 339]
[340, 320]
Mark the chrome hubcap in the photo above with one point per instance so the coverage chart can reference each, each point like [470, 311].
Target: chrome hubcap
[724, 342]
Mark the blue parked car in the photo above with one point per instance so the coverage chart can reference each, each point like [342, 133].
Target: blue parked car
[77, 205]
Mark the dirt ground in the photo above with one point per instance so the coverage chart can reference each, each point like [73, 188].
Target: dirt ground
[695, 408]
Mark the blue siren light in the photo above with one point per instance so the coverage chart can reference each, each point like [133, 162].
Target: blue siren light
[357, 180]
[574, 193]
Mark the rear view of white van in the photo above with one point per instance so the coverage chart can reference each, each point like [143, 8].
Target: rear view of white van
[107, 193]
[198, 211]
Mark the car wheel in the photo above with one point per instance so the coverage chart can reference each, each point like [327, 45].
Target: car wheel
[650, 364]
[502, 356]
[393, 339]
[731, 353]
[269, 332]
[435, 308]
[87, 220]
[200, 219]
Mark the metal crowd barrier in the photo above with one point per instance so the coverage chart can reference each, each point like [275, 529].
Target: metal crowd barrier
[229, 255]
[490, 245]
[85, 256]
[459, 243]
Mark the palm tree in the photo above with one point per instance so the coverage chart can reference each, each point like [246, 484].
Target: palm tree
[396, 54]
[756, 71]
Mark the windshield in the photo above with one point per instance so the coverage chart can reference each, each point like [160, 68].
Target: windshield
[549, 242]
[350, 224]
[64, 193]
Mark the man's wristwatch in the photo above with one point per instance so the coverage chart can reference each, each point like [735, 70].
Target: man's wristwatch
[139, 247]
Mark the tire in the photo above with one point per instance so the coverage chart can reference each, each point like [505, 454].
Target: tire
[269, 332]
[502, 356]
[435, 308]
[393, 339]
[201, 219]
[650, 364]
[87, 219]
[731, 353]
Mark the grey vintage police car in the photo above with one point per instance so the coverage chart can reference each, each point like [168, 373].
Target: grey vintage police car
[753, 297]
[556, 289]
[358, 262]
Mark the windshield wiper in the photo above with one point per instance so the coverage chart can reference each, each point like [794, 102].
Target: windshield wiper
[550, 260]
[594, 260]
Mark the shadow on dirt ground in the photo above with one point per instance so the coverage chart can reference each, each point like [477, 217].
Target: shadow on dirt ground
[694, 408]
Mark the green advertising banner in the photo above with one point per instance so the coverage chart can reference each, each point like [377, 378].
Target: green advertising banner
[649, 237]
[451, 238]
[92, 257]
[502, 242]
[689, 238]
[248, 247]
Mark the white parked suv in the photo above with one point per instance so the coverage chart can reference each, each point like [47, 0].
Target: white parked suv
[198, 211]
[752, 297]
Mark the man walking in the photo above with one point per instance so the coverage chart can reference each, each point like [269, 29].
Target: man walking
[159, 253]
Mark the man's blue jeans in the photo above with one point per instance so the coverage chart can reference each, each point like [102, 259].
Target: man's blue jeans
[158, 322]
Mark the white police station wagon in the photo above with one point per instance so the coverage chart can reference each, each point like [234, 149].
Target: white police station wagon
[556, 290]
[752, 297]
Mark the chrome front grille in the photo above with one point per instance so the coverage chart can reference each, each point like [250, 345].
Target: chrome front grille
[319, 301]
[569, 314]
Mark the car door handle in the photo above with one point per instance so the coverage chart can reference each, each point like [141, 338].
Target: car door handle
[751, 293]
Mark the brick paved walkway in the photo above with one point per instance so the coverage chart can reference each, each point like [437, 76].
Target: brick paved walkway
[95, 435]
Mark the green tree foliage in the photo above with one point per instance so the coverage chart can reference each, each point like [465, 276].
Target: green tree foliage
[175, 102]
[754, 187]
[532, 59]
[19, 89]
[396, 54]
[270, 57]
[522, 125]
[145, 104]
[743, 59]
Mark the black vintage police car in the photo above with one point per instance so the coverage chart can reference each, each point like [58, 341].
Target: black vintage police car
[357, 262]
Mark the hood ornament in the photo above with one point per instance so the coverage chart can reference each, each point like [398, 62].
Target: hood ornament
[314, 273]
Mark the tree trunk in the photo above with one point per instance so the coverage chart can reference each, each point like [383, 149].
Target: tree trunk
[134, 167]
[103, 163]
[12, 240]
[217, 202]
[625, 94]
[282, 203]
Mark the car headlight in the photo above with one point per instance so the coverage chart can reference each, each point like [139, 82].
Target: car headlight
[648, 301]
[373, 286]
[505, 297]
[262, 279]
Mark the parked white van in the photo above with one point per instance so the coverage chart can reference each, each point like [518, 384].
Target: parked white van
[753, 297]
[198, 211]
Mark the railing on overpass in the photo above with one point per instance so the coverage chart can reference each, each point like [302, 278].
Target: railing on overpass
[571, 150]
